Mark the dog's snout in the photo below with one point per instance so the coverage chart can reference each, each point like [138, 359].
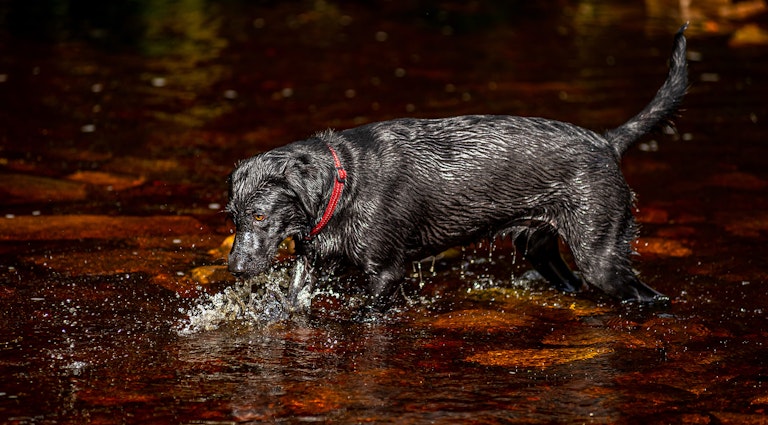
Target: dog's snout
[236, 264]
[236, 269]
[238, 259]
[247, 257]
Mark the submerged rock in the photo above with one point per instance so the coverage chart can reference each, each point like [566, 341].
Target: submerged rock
[72, 227]
[750, 34]
[111, 181]
[536, 358]
[205, 275]
[108, 262]
[663, 247]
[480, 320]
[21, 188]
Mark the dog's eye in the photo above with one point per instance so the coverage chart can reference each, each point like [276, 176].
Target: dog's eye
[259, 217]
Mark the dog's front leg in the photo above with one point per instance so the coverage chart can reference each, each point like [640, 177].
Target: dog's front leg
[382, 285]
[301, 286]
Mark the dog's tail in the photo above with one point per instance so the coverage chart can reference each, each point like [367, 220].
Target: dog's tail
[663, 107]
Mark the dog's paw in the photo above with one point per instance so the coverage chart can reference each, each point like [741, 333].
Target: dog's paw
[652, 298]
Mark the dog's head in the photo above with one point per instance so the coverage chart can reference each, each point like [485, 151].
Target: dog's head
[269, 200]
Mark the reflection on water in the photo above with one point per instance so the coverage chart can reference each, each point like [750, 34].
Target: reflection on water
[122, 120]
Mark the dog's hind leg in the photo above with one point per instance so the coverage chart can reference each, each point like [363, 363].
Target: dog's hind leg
[600, 244]
[540, 247]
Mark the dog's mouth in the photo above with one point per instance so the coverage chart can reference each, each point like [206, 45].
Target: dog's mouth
[246, 262]
[250, 269]
[248, 266]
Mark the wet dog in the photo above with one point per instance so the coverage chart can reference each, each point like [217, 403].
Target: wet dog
[380, 195]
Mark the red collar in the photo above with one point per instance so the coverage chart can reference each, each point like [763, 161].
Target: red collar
[338, 187]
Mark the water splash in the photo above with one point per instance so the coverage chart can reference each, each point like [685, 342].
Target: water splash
[257, 302]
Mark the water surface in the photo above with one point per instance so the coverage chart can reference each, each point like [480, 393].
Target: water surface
[120, 122]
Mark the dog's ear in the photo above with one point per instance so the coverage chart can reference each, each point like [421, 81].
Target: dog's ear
[305, 179]
[300, 171]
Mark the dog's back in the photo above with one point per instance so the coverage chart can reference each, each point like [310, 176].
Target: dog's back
[456, 179]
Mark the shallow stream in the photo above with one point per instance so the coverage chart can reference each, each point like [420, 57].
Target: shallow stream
[120, 121]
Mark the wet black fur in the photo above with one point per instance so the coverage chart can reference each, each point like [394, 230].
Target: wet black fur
[417, 186]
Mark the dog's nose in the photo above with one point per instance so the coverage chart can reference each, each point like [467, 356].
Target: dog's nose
[240, 273]
[237, 271]
[236, 265]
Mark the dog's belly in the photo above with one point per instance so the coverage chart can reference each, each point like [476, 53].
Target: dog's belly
[437, 236]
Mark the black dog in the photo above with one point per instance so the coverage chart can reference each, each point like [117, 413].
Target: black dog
[382, 194]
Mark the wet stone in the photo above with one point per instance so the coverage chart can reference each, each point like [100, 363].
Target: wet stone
[750, 34]
[111, 181]
[731, 418]
[479, 320]
[652, 215]
[110, 261]
[738, 180]
[753, 225]
[536, 358]
[314, 400]
[184, 286]
[580, 337]
[205, 275]
[525, 300]
[151, 168]
[221, 252]
[676, 232]
[663, 247]
[185, 242]
[69, 227]
[21, 188]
